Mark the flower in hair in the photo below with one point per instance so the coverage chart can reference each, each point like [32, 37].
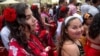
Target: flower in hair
[34, 7]
[87, 15]
[63, 8]
[9, 14]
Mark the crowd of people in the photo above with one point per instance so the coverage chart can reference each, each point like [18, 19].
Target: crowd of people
[64, 29]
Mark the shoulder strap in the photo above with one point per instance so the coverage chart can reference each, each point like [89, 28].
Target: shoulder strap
[80, 48]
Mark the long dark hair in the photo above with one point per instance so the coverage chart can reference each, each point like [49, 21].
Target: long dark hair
[94, 29]
[64, 36]
[17, 27]
[84, 19]
[63, 12]
[37, 15]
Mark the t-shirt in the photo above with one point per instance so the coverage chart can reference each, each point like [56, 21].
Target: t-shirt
[93, 10]
[84, 8]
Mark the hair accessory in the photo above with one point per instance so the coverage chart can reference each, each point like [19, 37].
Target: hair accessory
[34, 7]
[86, 16]
[69, 18]
[9, 14]
[63, 8]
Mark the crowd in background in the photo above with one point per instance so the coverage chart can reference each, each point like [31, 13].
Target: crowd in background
[63, 29]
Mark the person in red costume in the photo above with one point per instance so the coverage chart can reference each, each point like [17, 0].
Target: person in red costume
[43, 34]
[21, 22]
[92, 47]
[63, 12]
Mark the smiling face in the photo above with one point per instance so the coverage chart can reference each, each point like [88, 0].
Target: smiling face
[74, 29]
[30, 19]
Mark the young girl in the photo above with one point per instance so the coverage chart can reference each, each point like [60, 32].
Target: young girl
[87, 19]
[22, 24]
[92, 47]
[71, 31]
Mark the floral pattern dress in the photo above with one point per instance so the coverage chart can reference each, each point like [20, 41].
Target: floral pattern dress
[36, 46]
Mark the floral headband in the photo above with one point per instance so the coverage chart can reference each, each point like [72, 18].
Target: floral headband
[9, 14]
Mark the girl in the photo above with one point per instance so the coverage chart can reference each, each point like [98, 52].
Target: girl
[71, 31]
[92, 47]
[22, 24]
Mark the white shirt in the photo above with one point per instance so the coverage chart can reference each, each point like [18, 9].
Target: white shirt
[85, 8]
[93, 10]
[58, 30]
[5, 36]
[51, 12]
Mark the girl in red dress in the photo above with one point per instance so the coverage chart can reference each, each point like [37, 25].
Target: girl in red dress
[22, 24]
[92, 47]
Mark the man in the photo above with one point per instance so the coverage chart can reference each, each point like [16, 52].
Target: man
[85, 7]
[61, 3]
[93, 9]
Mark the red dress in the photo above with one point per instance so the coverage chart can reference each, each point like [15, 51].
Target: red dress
[47, 38]
[91, 51]
[35, 45]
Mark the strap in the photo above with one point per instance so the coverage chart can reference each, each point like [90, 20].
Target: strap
[80, 48]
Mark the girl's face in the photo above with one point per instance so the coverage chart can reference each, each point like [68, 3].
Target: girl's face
[89, 20]
[30, 19]
[74, 29]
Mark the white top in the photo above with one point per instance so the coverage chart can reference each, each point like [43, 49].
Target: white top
[58, 30]
[51, 12]
[4, 36]
[93, 10]
[85, 8]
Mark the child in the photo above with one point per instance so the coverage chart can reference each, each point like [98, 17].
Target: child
[71, 31]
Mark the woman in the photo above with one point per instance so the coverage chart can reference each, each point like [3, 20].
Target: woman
[71, 31]
[22, 24]
[63, 12]
[92, 47]
[87, 19]
[45, 17]
[35, 11]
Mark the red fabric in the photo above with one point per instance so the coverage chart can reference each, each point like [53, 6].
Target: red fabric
[61, 19]
[36, 47]
[50, 41]
[1, 21]
[3, 51]
[47, 37]
[52, 29]
[91, 51]
[42, 34]
[55, 53]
